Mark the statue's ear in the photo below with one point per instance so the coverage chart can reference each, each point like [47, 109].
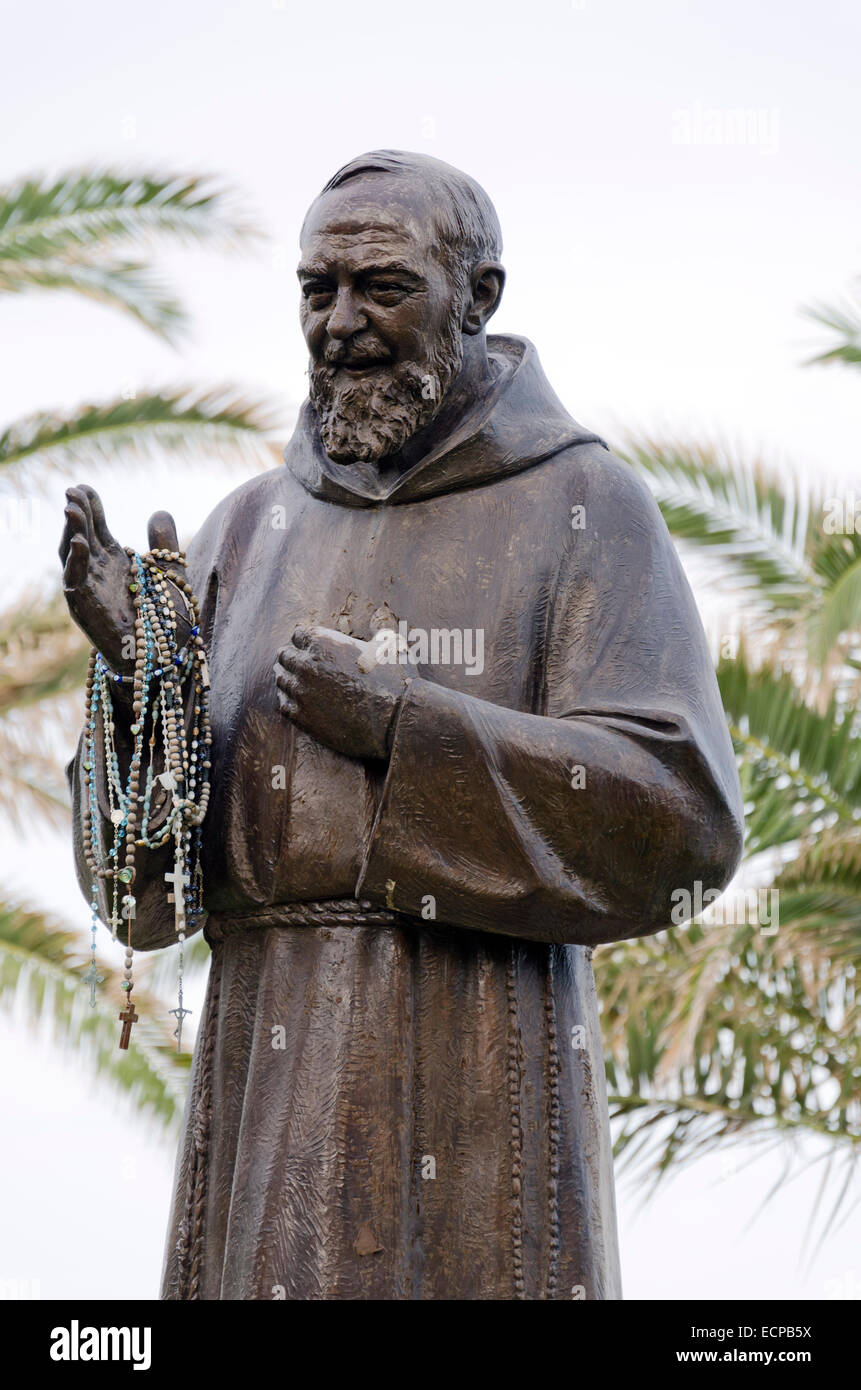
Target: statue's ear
[486, 284]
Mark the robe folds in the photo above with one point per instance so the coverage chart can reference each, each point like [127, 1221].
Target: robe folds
[399, 1094]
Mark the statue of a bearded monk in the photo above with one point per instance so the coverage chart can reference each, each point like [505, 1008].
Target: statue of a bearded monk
[465, 729]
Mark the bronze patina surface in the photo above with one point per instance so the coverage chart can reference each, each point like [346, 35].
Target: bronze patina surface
[398, 1086]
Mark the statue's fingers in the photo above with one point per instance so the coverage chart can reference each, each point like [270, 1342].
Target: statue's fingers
[78, 498]
[286, 681]
[288, 707]
[97, 512]
[293, 660]
[77, 562]
[161, 532]
[74, 525]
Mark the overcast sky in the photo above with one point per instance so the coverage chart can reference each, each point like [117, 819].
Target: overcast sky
[657, 260]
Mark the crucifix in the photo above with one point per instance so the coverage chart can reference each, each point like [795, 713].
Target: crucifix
[179, 1014]
[93, 978]
[127, 1018]
[179, 879]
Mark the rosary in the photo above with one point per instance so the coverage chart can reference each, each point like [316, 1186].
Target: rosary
[166, 680]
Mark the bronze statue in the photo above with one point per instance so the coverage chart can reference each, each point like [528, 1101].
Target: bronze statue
[465, 729]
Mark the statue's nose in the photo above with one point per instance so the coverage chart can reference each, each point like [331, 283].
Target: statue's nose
[346, 317]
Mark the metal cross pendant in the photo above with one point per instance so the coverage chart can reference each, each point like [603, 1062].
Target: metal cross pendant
[127, 1017]
[93, 978]
[179, 1014]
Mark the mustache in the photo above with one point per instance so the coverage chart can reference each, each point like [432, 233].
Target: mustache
[369, 351]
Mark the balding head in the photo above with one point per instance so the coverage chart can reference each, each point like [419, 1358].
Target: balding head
[465, 223]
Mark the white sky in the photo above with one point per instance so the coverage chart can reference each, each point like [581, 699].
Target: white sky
[660, 282]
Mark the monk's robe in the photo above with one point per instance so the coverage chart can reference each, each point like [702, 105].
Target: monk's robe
[399, 1093]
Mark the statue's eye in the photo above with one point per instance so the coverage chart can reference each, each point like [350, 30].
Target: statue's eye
[317, 295]
[387, 291]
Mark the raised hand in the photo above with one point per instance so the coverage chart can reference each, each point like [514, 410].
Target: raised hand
[96, 573]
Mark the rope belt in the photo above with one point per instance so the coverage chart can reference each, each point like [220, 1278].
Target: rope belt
[326, 912]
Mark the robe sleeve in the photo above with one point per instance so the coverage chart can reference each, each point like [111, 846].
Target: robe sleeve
[574, 823]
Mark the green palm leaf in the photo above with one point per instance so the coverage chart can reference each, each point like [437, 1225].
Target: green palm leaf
[43, 659]
[755, 524]
[181, 420]
[820, 893]
[63, 233]
[844, 322]
[838, 613]
[82, 209]
[716, 1033]
[125, 285]
[42, 653]
[41, 975]
[813, 759]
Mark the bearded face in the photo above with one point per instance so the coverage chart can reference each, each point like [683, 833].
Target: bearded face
[368, 412]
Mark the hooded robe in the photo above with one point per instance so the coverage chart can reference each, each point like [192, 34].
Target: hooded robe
[407, 1100]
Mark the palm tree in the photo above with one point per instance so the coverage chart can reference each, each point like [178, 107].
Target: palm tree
[721, 1032]
[91, 233]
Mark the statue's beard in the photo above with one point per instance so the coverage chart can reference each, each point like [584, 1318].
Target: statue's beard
[373, 416]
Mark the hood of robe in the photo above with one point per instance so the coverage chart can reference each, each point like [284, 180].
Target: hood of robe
[523, 423]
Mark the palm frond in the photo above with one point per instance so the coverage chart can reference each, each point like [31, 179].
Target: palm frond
[43, 659]
[32, 785]
[743, 513]
[64, 233]
[838, 611]
[125, 285]
[41, 979]
[805, 766]
[80, 212]
[820, 893]
[716, 1033]
[844, 322]
[182, 421]
[42, 653]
